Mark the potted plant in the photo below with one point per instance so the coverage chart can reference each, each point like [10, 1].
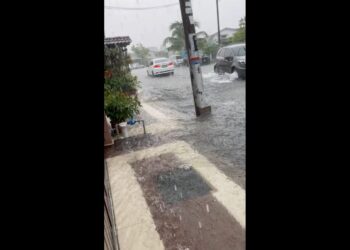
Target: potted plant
[120, 87]
[119, 107]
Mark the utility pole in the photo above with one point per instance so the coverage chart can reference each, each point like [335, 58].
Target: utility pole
[193, 58]
[217, 15]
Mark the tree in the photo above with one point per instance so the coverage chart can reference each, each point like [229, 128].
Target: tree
[202, 43]
[239, 36]
[141, 52]
[116, 62]
[211, 48]
[177, 38]
[207, 47]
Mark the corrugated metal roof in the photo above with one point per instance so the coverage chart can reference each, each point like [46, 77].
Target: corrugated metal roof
[118, 40]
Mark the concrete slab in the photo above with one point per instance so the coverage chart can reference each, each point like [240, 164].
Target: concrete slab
[134, 221]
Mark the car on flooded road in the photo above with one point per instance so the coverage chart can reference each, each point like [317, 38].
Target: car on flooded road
[136, 66]
[205, 60]
[230, 59]
[177, 60]
[160, 66]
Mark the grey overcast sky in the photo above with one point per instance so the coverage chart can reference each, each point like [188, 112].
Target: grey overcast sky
[151, 26]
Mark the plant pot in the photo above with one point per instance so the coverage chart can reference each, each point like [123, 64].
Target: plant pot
[123, 129]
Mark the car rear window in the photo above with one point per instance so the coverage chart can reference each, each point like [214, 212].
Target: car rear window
[241, 51]
[228, 53]
[235, 51]
[160, 60]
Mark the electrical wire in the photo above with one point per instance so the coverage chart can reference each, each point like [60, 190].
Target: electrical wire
[142, 8]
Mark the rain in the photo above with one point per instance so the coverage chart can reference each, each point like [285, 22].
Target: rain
[182, 176]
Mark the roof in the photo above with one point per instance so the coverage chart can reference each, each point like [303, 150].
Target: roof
[235, 45]
[118, 40]
[215, 34]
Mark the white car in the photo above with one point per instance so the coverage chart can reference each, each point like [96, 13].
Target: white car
[177, 60]
[160, 66]
[137, 66]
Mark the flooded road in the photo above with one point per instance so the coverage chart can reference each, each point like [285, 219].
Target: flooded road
[219, 136]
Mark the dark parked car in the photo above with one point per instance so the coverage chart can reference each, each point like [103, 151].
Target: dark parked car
[231, 58]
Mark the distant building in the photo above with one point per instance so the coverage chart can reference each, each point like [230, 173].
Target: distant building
[225, 34]
[153, 51]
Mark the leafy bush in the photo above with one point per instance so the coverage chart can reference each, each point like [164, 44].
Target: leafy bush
[119, 107]
[119, 84]
[239, 36]
[124, 83]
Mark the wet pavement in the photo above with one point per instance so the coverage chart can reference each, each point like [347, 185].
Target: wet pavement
[168, 196]
[182, 184]
[186, 215]
[221, 135]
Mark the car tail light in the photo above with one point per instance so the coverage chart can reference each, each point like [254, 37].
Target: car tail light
[170, 64]
[156, 66]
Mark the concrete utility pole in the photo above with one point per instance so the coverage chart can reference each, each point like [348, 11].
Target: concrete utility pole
[217, 15]
[193, 58]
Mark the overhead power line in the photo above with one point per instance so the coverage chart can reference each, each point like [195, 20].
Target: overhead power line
[142, 8]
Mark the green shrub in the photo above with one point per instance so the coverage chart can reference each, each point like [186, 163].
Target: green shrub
[118, 86]
[119, 107]
[124, 83]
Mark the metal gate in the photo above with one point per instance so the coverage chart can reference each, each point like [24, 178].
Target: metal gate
[110, 229]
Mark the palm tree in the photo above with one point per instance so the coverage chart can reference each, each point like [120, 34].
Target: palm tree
[177, 39]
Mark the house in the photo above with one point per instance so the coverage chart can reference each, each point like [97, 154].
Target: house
[225, 34]
[155, 52]
[201, 35]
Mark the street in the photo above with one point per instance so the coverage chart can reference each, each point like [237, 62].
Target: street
[182, 184]
[177, 180]
[219, 136]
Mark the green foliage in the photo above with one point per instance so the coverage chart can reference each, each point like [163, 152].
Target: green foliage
[118, 86]
[121, 83]
[177, 38]
[141, 52]
[202, 43]
[208, 48]
[119, 106]
[239, 36]
[116, 61]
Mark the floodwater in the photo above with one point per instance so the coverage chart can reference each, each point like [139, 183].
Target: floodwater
[181, 186]
[221, 135]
